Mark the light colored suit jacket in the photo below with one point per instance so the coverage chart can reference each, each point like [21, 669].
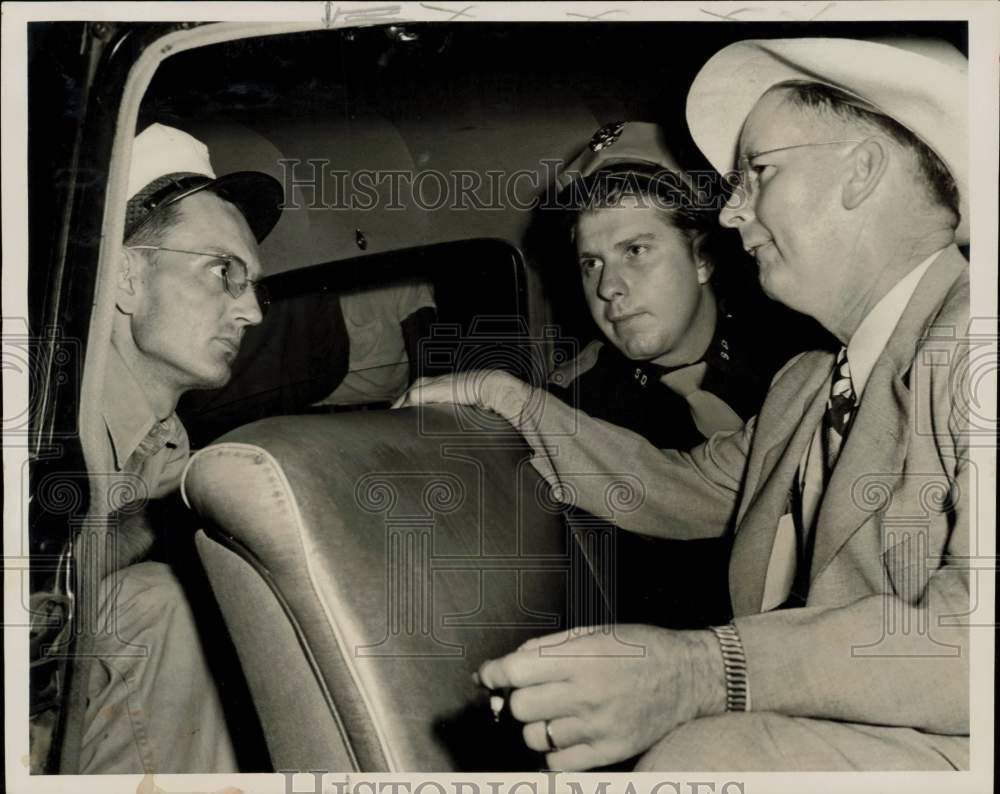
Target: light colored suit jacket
[880, 639]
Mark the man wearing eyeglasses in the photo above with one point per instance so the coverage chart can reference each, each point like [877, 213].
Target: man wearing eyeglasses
[186, 293]
[848, 494]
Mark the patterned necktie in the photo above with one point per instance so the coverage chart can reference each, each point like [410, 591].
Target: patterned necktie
[840, 409]
[788, 567]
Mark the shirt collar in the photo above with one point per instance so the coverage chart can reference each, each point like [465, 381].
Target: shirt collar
[127, 412]
[718, 348]
[870, 339]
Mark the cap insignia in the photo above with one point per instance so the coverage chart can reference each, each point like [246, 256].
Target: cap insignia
[606, 136]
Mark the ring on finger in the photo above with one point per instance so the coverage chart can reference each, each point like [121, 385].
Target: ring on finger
[552, 746]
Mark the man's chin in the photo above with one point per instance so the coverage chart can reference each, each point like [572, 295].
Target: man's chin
[769, 284]
[214, 381]
[640, 352]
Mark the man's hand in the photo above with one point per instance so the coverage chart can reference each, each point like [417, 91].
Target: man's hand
[609, 696]
[492, 389]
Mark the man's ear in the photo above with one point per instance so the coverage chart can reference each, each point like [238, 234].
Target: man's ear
[703, 263]
[129, 281]
[868, 163]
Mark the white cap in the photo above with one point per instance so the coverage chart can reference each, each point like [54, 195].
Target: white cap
[160, 150]
[168, 165]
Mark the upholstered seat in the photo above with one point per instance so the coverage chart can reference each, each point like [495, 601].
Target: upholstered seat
[366, 565]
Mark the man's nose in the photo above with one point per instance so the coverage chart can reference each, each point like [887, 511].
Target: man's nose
[611, 285]
[738, 209]
[247, 308]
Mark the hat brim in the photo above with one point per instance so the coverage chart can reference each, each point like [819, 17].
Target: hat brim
[258, 197]
[927, 95]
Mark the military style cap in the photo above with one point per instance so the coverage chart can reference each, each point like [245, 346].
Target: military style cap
[617, 144]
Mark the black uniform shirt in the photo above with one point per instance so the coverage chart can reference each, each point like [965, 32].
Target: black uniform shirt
[607, 385]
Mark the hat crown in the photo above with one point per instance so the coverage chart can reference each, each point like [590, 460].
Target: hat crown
[935, 49]
[920, 83]
[160, 150]
[620, 143]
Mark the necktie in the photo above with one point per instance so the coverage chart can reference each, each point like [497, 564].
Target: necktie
[839, 412]
[788, 567]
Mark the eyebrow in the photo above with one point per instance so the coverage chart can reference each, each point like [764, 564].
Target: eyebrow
[621, 244]
[639, 238]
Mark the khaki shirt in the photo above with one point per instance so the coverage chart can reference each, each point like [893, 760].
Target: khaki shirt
[147, 456]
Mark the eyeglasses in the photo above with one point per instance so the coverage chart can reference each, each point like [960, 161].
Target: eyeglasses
[233, 274]
[746, 178]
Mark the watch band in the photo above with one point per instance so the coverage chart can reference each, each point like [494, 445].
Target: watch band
[734, 661]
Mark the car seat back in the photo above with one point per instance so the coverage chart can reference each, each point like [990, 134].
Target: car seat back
[366, 565]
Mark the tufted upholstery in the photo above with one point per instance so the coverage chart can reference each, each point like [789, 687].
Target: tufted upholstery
[366, 564]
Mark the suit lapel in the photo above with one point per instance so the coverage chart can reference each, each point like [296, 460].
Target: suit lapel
[871, 461]
[792, 413]
[877, 444]
[869, 467]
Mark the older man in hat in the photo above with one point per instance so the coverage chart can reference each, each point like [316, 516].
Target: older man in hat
[186, 292]
[848, 493]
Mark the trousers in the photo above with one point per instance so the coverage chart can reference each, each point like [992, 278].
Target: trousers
[770, 742]
[152, 703]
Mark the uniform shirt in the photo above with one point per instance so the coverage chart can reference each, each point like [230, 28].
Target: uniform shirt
[678, 584]
[607, 385]
[142, 446]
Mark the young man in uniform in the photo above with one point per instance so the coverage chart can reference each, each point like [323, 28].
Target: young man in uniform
[690, 345]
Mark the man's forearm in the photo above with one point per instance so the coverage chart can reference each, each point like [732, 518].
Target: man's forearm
[613, 473]
[911, 678]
